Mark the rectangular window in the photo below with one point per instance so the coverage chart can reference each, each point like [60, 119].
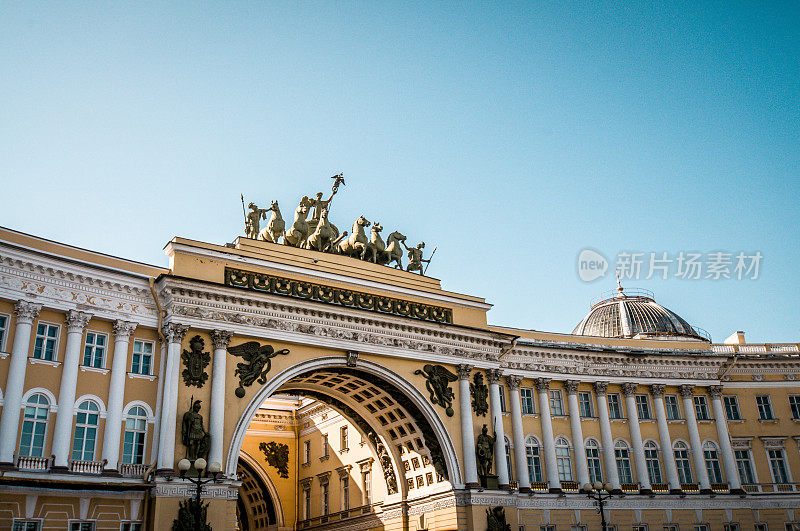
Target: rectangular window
[81, 526]
[131, 526]
[133, 443]
[343, 438]
[366, 477]
[556, 404]
[761, 527]
[643, 407]
[577, 528]
[701, 527]
[670, 527]
[26, 525]
[731, 407]
[547, 528]
[46, 345]
[534, 462]
[639, 527]
[94, 350]
[764, 408]
[142, 357]
[345, 487]
[306, 504]
[585, 404]
[614, 406]
[502, 391]
[745, 467]
[3, 331]
[671, 405]
[306, 452]
[526, 394]
[792, 526]
[325, 499]
[732, 527]
[794, 405]
[325, 447]
[777, 464]
[701, 408]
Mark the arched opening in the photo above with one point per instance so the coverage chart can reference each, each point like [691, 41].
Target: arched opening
[341, 443]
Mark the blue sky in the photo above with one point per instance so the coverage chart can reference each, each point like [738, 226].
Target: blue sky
[510, 136]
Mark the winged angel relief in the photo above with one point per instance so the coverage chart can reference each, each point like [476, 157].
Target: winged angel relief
[257, 363]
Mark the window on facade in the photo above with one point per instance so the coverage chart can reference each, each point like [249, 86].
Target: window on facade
[46, 345]
[585, 404]
[701, 527]
[701, 408]
[325, 446]
[577, 528]
[711, 456]
[792, 526]
[547, 528]
[508, 461]
[652, 462]
[325, 499]
[671, 405]
[534, 460]
[563, 459]
[131, 526]
[745, 466]
[593, 461]
[86, 420]
[764, 407]
[731, 404]
[556, 404]
[142, 357]
[640, 527]
[306, 452]
[135, 435]
[761, 527]
[502, 391]
[777, 464]
[343, 438]
[306, 504]
[94, 350]
[614, 406]
[81, 526]
[643, 407]
[526, 394]
[671, 527]
[794, 405]
[345, 488]
[623, 456]
[34, 426]
[366, 478]
[732, 527]
[682, 462]
[26, 525]
[3, 332]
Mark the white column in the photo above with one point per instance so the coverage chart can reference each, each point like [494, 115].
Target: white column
[116, 395]
[667, 455]
[62, 436]
[25, 313]
[493, 375]
[581, 467]
[610, 462]
[629, 391]
[728, 460]
[700, 471]
[523, 477]
[216, 422]
[467, 428]
[169, 406]
[548, 441]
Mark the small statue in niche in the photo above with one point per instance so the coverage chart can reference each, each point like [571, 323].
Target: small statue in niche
[193, 436]
[277, 455]
[480, 394]
[496, 519]
[195, 362]
[484, 452]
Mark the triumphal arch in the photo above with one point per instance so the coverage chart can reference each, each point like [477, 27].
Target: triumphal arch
[318, 378]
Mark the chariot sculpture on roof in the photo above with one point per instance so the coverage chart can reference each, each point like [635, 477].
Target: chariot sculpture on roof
[319, 234]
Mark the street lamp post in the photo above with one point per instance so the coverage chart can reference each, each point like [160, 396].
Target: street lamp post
[199, 464]
[595, 491]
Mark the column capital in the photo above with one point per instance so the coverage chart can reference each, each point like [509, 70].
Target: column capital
[629, 388]
[221, 339]
[715, 392]
[175, 332]
[77, 321]
[686, 390]
[657, 390]
[600, 387]
[463, 371]
[513, 381]
[493, 375]
[26, 311]
[124, 329]
[542, 384]
[572, 387]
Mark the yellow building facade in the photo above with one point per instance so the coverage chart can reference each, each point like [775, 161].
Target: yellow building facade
[335, 393]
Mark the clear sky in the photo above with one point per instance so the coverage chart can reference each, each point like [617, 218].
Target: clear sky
[511, 136]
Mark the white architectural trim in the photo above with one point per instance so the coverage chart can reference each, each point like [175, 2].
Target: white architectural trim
[273, 492]
[150, 417]
[46, 392]
[94, 398]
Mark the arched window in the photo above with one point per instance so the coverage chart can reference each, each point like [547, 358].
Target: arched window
[563, 459]
[623, 456]
[711, 455]
[534, 460]
[682, 462]
[653, 464]
[135, 435]
[86, 420]
[508, 461]
[593, 461]
[34, 426]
